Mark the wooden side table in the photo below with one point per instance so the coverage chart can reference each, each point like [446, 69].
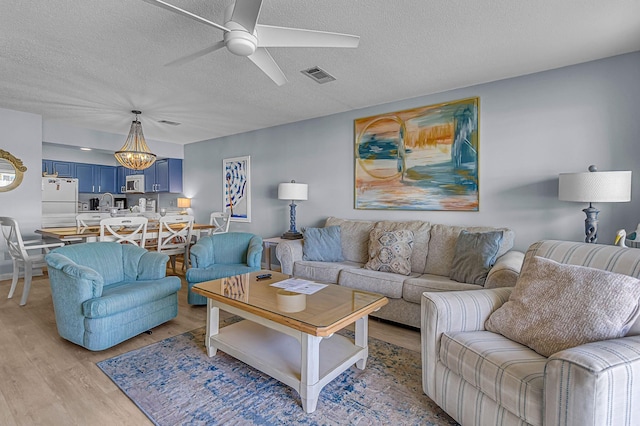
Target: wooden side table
[270, 244]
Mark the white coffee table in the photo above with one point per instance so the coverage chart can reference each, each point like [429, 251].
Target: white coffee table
[300, 349]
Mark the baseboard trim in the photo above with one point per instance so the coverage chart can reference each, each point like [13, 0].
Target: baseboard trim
[8, 276]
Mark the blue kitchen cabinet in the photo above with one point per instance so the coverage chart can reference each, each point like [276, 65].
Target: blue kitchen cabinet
[150, 178]
[63, 168]
[95, 178]
[106, 178]
[47, 166]
[164, 176]
[85, 175]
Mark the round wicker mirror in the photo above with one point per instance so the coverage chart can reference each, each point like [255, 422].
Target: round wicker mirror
[11, 171]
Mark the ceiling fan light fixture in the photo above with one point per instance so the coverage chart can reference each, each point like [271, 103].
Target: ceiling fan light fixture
[244, 36]
[240, 42]
[135, 154]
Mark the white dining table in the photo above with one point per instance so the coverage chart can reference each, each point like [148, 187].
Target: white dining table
[92, 233]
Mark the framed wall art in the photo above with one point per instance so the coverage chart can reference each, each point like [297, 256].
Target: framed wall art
[236, 188]
[423, 158]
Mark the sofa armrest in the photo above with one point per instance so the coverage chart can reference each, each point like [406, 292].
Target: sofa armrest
[452, 311]
[506, 270]
[88, 281]
[152, 266]
[594, 384]
[287, 253]
[198, 255]
[254, 253]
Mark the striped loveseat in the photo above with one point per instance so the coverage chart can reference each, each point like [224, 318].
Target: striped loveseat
[483, 378]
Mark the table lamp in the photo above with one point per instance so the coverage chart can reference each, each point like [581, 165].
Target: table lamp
[184, 203]
[292, 191]
[594, 187]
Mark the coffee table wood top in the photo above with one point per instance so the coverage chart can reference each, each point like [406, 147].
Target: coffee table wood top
[327, 311]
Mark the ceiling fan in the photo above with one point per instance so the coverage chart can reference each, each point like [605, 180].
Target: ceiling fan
[243, 36]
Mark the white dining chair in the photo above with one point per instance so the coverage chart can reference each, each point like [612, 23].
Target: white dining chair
[174, 237]
[84, 220]
[131, 230]
[221, 222]
[19, 252]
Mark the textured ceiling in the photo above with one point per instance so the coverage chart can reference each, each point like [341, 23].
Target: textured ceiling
[87, 63]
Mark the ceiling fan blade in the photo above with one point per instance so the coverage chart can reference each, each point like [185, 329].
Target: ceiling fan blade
[246, 12]
[262, 58]
[270, 36]
[196, 55]
[185, 13]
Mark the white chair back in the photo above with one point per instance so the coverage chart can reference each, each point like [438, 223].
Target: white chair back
[221, 222]
[19, 251]
[174, 237]
[84, 220]
[131, 230]
[174, 233]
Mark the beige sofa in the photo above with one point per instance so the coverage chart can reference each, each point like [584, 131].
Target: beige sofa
[431, 259]
[483, 378]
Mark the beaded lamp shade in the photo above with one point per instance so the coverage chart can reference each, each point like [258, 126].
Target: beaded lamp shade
[135, 153]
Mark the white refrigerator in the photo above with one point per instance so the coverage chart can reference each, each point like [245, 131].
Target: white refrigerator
[59, 202]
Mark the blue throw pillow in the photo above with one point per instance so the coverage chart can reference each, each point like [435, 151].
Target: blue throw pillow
[322, 244]
[475, 255]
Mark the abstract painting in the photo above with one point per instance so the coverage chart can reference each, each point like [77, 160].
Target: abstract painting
[419, 159]
[236, 188]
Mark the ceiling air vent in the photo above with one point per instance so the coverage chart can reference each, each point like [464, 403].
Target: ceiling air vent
[170, 123]
[318, 74]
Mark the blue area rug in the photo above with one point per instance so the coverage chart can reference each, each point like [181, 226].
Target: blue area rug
[174, 382]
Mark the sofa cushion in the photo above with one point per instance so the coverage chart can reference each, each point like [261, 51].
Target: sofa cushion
[555, 306]
[474, 256]
[325, 272]
[414, 287]
[505, 371]
[354, 238]
[385, 283]
[123, 296]
[322, 244]
[421, 233]
[390, 251]
[442, 245]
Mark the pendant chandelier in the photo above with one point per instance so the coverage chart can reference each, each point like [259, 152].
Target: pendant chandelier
[135, 153]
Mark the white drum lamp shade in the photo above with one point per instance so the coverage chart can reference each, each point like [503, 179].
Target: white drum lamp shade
[594, 187]
[295, 192]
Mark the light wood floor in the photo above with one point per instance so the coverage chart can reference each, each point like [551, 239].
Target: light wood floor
[45, 380]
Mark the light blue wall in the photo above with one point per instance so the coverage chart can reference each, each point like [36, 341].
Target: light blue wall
[22, 137]
[531, 129]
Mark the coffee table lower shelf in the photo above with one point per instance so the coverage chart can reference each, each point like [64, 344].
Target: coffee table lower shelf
[304, 362]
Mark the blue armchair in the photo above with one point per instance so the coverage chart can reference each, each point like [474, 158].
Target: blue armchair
[222, 255]
[105, 293]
